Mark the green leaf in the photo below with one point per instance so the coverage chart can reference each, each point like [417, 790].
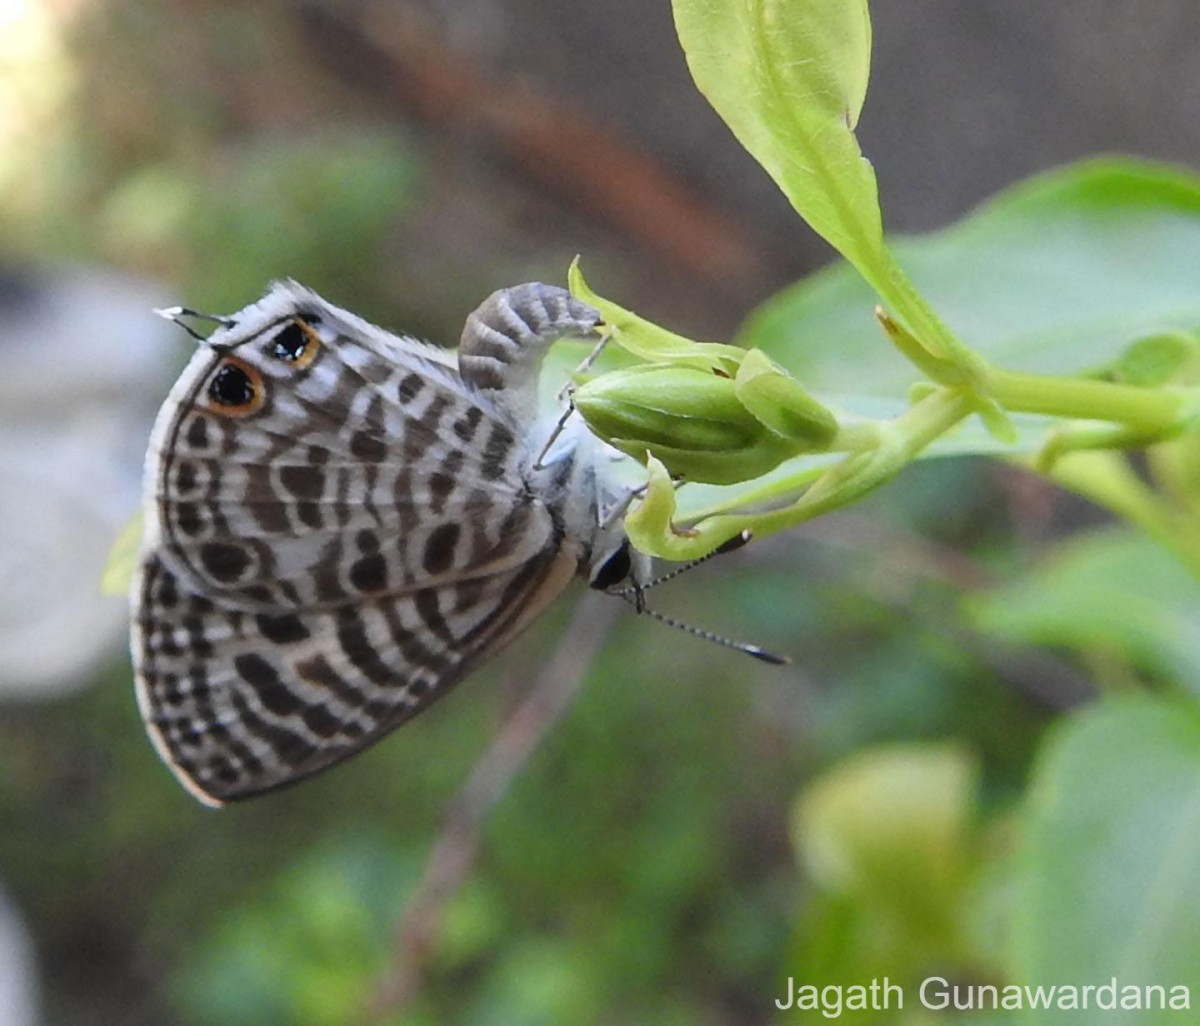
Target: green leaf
[789, 78]
[122, 559]
[888, 837]
[1115, 595]
[1172, 356]
[1056, 276]
[890, 828]
[1109, 872]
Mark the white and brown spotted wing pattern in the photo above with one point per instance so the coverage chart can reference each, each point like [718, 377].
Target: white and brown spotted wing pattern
[341, 523]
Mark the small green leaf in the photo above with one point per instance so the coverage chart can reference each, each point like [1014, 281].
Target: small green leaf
[997, 422]
[936, 368]
[647, 340]
[122, 559]
[1168, 357]
[1109, 874]
[650, 520]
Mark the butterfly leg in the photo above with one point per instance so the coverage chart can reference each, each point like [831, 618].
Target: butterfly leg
[556, 431]
[585, 365]
[611, 515]
[506, 338]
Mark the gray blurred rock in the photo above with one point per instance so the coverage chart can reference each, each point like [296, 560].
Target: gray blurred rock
[18, 985]
[86, 364]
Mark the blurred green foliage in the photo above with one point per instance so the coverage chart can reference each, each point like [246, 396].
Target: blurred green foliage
[315, 208]
[1108, 863]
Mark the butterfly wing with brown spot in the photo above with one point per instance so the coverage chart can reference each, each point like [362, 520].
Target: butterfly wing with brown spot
[340, 524]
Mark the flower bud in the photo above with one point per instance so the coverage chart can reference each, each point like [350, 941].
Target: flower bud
[691, 419]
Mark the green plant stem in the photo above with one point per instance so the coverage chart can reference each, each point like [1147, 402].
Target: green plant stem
[875, 451]
[1107, 480]
[855, 437]
[898, 444]
[1157, 411]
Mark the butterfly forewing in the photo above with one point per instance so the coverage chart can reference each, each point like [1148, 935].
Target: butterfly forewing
[364, 473]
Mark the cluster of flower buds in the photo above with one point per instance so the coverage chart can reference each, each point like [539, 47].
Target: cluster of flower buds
[708, 412]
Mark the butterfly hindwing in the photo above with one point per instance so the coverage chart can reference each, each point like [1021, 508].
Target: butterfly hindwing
[239, 702]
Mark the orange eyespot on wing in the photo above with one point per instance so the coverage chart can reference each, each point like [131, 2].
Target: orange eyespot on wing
[296, 343]
[235, 389]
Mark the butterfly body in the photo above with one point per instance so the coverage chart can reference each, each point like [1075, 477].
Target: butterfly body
[341, 523]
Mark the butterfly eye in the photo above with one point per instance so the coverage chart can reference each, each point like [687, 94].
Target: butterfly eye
[296, 343]
[613, 570]
[236, 389]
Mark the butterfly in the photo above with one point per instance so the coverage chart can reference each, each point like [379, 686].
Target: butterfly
[341, 523]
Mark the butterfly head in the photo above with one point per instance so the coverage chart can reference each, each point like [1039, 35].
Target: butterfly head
[618, 566]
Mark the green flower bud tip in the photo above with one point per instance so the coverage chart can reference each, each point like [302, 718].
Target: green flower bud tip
[889, 822]
[934, 365]
[781, 403]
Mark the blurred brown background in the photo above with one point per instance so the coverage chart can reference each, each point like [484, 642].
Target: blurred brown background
[548, 129]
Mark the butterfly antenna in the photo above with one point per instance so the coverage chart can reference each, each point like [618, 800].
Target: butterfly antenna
[734, 543]
[176, 315]
[699, 632]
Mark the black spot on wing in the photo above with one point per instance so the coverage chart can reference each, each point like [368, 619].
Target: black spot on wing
[224, 561]
[317, 671]
[440, 546]
[424, 429]
[321, 721]
[288, 746]
[188, 519]
[264, 678]
[368, 447]
[168, 592]
[465, 426]
[196, 434]
[429, 610]
[307, 482]
[495, 452]
[369, 574]
[185, 477]
[282, 629]
[409, 388]
[352, 636]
